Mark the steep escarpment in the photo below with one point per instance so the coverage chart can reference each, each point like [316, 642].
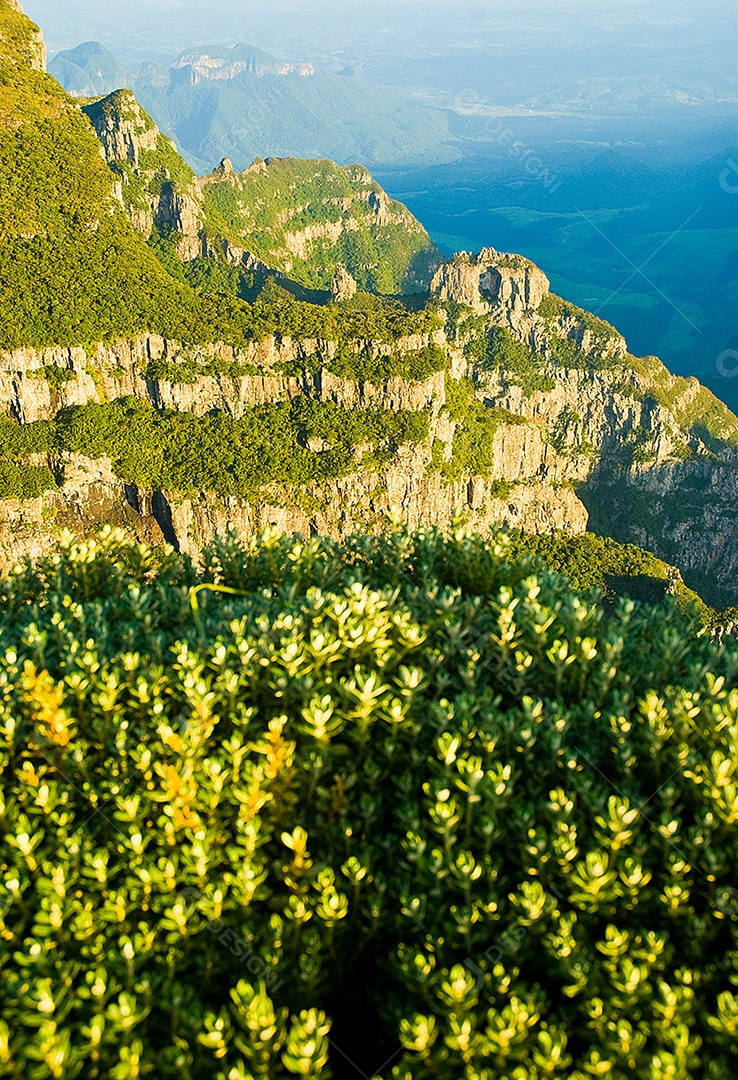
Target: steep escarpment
[326, 451]
[654, 457]
[137, 386]
[304, 220]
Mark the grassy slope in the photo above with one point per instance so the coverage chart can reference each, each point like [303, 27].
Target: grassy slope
[72, 269]
[262, 208]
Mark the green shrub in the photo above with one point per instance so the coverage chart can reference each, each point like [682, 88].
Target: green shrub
[57, 377]
[520, 365]
[415, 365]
[400, 794]
[25, 481]
[179, 451]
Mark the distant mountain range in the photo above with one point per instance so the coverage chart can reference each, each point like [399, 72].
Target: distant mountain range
[244, 103]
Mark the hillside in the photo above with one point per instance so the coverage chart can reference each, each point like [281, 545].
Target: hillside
[242, 103]
[304, 219]
[307, 218]
[180, 412]
[72, 268]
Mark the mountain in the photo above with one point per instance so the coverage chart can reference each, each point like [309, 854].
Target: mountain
[90, 70]
[306, 220]
[242, 103]
[138, 390]
[308, 217]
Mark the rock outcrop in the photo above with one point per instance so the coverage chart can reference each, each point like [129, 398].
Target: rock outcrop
[144, 161]
[125, 131]
[344, 286]
[491, 283]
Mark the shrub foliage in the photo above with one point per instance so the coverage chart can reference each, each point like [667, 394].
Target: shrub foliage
[399, 799]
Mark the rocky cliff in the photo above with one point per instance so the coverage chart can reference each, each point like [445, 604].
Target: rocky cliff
[596, 433]
[214, 64]
[303, 220]
[490, 397]
[525, 487]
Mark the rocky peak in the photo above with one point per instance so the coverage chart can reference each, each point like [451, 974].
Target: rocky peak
[225, 170]
[491, 282]
[344, 286]
[122, 127]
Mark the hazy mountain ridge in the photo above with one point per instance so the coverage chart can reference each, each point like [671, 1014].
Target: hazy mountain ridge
[242, 103]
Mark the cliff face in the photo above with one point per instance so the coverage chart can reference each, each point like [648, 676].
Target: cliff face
[208, 65]
[305, 220]
[600, 434]
[92, 495]
[533, 496]
[508, 404]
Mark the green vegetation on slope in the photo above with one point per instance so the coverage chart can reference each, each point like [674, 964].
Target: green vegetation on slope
[414, 365]
[25, 91]
[178, 451]
[472, 451]
[307, 218]
[598, 562]
[553, 307]
[394, 797]
[494, 347]
[72, 268]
